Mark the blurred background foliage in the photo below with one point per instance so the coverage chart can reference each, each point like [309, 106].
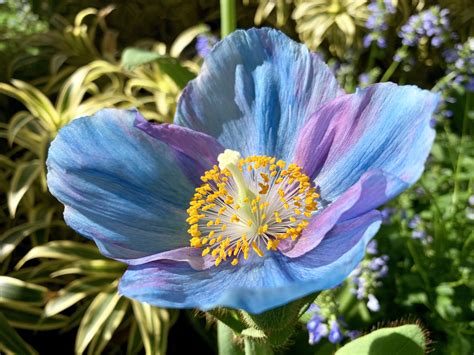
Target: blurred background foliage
[63, 59]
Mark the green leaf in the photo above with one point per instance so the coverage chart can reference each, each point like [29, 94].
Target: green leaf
[31, 318]
[34, 100]
[10, 341]
[6, 162]
[74, 292]
[17, 122]
[134, 343]
[185, 39]
[70, 100]
[96, 315]
[12, 237]
[63, 250]
[154, 324]
[402, 340]
[180, 75]
[14, 290]
[101, 340]
[39, 273]
[98, 268]
[135, 57]
[22, 179]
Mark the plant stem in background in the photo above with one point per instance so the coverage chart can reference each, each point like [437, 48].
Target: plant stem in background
[460, 156]
[228, 17]
[391, 69]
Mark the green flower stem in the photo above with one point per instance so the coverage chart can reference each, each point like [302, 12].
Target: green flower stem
[260, 332]
[226, 340]
[452, 144]
[276, 326]
[440, 232]
[391, 69]
[228, 17]
[229, 318]
[371, 60]
[444, 80]
[255, 347]
[416, 260]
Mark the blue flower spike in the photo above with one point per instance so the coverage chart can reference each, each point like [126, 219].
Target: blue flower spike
[265, 188]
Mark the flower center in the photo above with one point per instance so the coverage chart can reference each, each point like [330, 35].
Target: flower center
[249, 204]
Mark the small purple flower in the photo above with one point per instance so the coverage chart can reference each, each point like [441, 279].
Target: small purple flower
[204, 44]
[364, 79]
[372, 247]
[437, 41]
[377, 263]
[381, 42]
[314, 322]
[380, 12]
[419, 191]
[448, 113]
[365, 278]
[373, 303]
[470, 85]
[335, 334]
[353, 334]
[418, 234]
[432, 23]
[387, 214]
[414, 222]
[325, 322]
[450, 55]
[367, 40]
[316, 329]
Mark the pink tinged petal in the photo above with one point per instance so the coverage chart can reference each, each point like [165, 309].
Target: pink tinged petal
[372, 190]
[202, 148]
[191, 256]
[384, 127]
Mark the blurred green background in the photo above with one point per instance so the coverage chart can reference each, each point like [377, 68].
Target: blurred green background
[62, 59]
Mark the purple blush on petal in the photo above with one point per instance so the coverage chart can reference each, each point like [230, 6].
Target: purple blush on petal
[183, 139]
[196, 151]
[186, 254]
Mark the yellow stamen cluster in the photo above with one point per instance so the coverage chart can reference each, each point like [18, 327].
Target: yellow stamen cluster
[249, 205]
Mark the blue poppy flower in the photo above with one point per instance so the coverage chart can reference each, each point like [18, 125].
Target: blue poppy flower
[264, 189]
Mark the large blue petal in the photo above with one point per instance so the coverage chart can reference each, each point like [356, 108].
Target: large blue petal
[255, 91]
[385, 127]
[254, 287]
[121, 187]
